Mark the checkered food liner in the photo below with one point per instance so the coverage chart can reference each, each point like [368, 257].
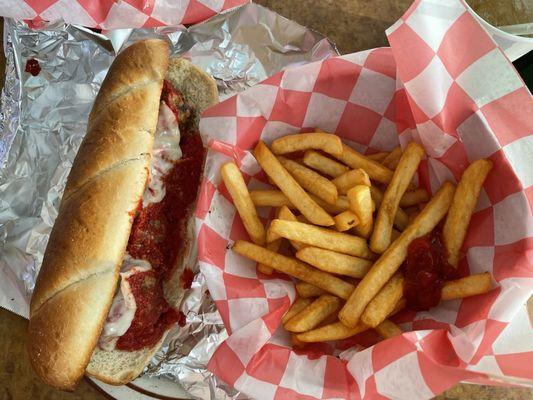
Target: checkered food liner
[114, 14]
[446, 84]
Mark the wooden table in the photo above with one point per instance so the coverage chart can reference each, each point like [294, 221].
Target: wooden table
[353, 25]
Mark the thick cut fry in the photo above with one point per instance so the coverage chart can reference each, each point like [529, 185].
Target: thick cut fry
[274, 246]
[313, 314]
[336, 263]
[293, 267]
[361, 204]
[392, 258]
[465, 287]
[298, 305]
[381, 236]
[395, 234]
[326, 142]
[311, 181]
[401, 219]
[350, 179]
[340, 205]
[297, 343]
[378, 157]
[270, 198]
[463, 205]
[414, 197]
[375, 170]
[324, 165]
[388, 329]
[294, 192]
[334, 331]
[345, 221]
[384, 303]
[241, 198]
[392, 160]
[306, 290]
[287, 215]
[321, 237]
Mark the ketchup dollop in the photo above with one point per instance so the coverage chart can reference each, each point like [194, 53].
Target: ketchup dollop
[426, 269]
[186, 278]
[32, 67]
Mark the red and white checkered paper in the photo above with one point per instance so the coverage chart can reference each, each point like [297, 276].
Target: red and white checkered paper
[447, 85]
[115, 14]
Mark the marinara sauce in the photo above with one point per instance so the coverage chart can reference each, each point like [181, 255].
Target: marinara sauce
[426, 269]
[156, 236]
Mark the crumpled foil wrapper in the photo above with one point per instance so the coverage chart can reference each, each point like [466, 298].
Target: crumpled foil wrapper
[43, 120]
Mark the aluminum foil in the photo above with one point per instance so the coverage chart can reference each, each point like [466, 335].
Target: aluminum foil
[43, 120]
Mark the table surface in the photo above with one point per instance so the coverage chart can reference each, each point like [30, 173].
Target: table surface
[353, 25]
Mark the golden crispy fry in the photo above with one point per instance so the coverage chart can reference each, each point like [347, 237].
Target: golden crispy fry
[314, 314]
[298, 305]
[334, 331]
[297, 343]
[375, 170]
[378, 157]
[287, 215]
[403, 174]
[361, 204]
[388, 329]
[311, 181]
[326, 142]
[401, 219]
[395, 234]
[321, 237]
[414, 197]
[384, 302]
[350, 179]
[345, 221]
[241, 198]
[392, 160]
[274, 246]
[336, 263]
[293, 267]
[270, 198]
[465, 287]
[294, 192]
[390, 260]
[463, 205]
[340, 205]
[306, 290]
[324, 165]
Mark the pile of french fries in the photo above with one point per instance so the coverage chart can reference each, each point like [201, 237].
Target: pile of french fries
[350, 219]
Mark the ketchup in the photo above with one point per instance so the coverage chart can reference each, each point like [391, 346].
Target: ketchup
[157, 237]
[186, 278]
[426, 269]
[32, 67]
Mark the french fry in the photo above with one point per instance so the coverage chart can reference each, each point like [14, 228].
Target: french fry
[463, 205]
[465, 287]
[414, 197]
[270, 198]
[311, 181]
[395, 234]
[326, 142]
[333, 262]
[361, 204]
[340, 205]
[350, 179]
[241, 198]
[392, 258]
[287, 215]
[401, 219]
[324, 165]
[288, 185]
[388, 329]
[375, 170]
[381, 236]
[334, 331]
[384, 302]
[321, 237]
[297, 343]
[378, 157]
[306, 290]
[314, 314]
[293, 267]
[298, 305]
[274, 246]
[345, 221]
[392, 160]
